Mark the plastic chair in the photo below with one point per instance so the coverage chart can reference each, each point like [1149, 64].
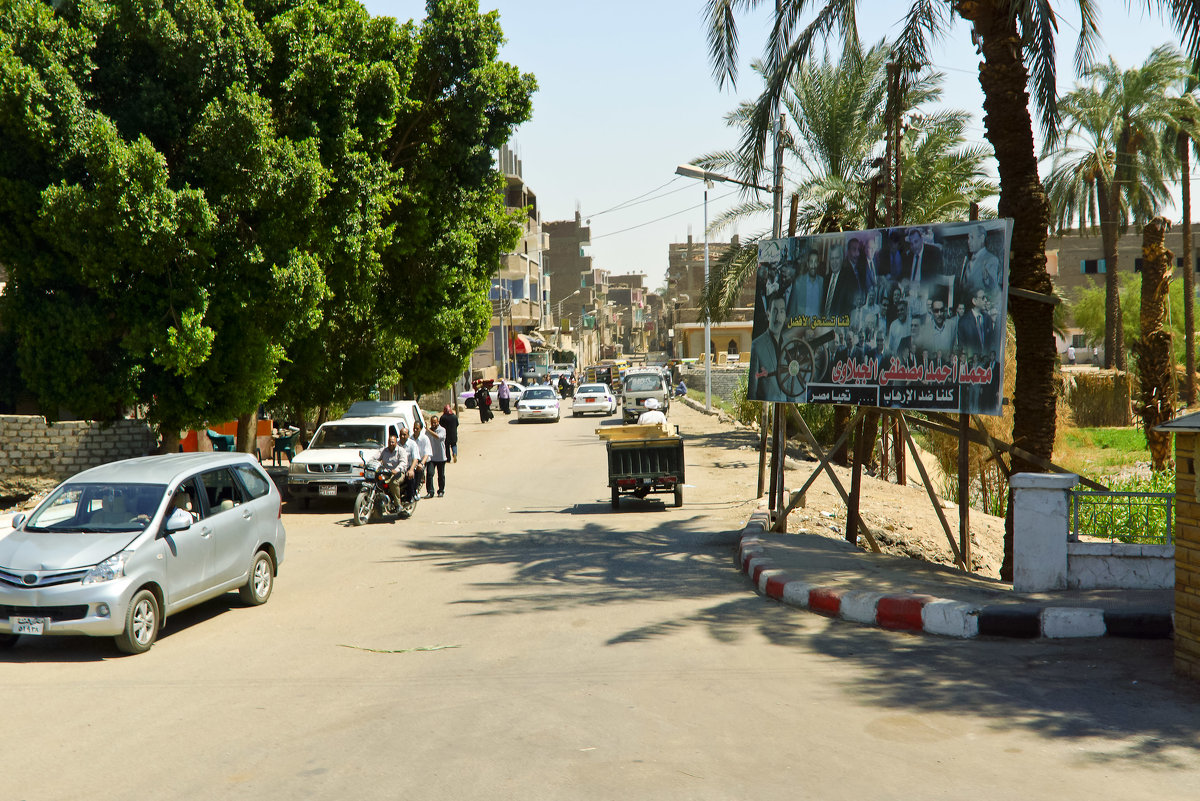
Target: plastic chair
[285, 445]
[221, 442]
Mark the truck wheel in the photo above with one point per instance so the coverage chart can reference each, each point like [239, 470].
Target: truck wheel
[678, 496]
[616, 497]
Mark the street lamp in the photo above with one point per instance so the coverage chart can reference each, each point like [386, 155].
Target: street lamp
[564, 300]
[690, 171]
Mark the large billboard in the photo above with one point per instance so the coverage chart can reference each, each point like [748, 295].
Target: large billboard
[907, 318]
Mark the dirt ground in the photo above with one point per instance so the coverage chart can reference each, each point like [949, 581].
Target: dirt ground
[903, 519]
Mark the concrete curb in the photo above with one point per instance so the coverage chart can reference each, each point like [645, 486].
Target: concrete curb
[941, 616]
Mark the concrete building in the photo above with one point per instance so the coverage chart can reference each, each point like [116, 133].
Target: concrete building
[1076, 261]
[685, 288]
[520, 291]
[565, 264]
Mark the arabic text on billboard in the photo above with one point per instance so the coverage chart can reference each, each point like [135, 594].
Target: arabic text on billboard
[908, 318]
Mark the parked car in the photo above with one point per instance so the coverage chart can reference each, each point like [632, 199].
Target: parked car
[593, 398]
[331, 466]
[117, 549]
[468, 398]
[538, 403]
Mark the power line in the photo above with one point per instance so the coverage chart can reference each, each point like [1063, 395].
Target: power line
[634, 200]
[665, 217]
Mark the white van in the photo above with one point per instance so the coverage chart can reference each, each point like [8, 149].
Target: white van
[641, 384]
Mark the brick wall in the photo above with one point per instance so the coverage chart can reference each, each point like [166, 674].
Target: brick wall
[31, 447]
[725, 380]
[1187, 558]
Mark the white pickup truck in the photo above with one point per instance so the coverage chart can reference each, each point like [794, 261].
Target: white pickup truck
[330, 467]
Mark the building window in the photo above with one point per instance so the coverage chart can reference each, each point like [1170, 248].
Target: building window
[1078, 340]
[1091, 266]
[732, 350]
[1137, 265]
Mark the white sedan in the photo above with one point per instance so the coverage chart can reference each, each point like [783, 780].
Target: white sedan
[593, 398]
[538, 403]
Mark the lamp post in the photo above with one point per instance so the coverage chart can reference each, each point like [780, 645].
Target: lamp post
[689, 171]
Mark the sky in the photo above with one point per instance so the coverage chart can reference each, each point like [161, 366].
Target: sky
[626, 93]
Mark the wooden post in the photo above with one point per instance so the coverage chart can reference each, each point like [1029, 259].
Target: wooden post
[763, 422]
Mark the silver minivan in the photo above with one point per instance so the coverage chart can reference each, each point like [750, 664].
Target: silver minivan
[118, 548]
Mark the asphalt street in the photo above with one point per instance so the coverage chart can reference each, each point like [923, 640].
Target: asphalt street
[518, 639]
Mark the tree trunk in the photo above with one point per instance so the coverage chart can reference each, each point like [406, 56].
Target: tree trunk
[1114, 326]
[169, 440]
[1189, 269]
[1004, 79]
[247, 432]
[1156, 365]
[841, 419]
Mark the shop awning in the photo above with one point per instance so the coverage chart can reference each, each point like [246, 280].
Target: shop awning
[519, 343]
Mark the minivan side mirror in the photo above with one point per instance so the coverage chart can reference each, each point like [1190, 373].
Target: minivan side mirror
[18, 519]
[179, 520]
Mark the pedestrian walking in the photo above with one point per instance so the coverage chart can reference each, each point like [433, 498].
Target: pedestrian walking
[483, 400]
[437, 457]
[1071, 354]
[503, 394]
[449, 421]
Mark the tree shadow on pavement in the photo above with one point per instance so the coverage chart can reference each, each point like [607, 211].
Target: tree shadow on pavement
[1117, 698]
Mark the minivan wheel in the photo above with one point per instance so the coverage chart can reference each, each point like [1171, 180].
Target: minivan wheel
[141, 624]
[258, 586]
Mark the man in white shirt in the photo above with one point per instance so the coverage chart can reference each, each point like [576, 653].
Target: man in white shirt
[652, 415]
[424, 454]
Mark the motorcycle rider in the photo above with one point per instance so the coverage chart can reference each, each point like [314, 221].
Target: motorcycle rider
[408, 459]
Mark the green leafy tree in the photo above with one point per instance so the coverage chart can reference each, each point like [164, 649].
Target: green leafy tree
[1089, 304]
[1113, 165]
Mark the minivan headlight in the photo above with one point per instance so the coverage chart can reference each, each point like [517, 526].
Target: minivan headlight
[111, 568]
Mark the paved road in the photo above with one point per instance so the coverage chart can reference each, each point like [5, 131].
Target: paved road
[519, 640]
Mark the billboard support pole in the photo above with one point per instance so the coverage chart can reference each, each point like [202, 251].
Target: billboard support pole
[964, 467]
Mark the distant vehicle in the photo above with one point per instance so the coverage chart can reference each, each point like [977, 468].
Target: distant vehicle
[538, 403]
[468, 398]
[115, 550]
[591, 398]
[641, 384]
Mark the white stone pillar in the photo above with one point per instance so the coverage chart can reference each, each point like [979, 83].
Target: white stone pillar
[1040, 530]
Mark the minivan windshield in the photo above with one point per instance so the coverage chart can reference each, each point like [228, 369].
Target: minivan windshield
[643, 383]
[88, 507]
[348, 435]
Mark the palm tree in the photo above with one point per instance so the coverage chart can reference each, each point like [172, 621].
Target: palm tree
[1008, 33]
[1113, 166]
[837, 111]
[1189, 115]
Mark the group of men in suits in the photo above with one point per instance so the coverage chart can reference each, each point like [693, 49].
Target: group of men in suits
[897, 290]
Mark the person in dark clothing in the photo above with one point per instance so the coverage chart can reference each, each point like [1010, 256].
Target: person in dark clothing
[449, 421]
[483, 400]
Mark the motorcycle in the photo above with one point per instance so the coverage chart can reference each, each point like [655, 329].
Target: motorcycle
[375, 498]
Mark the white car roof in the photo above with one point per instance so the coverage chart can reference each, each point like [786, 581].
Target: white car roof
[586, 387]
[365, 421]
[165, 469]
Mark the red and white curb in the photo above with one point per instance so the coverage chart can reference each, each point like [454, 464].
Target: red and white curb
[932, 615]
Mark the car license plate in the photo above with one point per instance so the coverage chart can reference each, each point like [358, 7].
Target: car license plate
[28, 625]
[326, 489]
[591, 400]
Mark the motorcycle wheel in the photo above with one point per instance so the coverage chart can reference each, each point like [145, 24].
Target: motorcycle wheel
[362, 508]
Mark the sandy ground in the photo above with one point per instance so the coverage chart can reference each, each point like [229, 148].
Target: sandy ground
[902, 518]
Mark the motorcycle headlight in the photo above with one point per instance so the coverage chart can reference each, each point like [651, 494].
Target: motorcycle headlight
[111, 568]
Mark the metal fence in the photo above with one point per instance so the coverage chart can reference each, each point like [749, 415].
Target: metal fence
[1144, 518]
